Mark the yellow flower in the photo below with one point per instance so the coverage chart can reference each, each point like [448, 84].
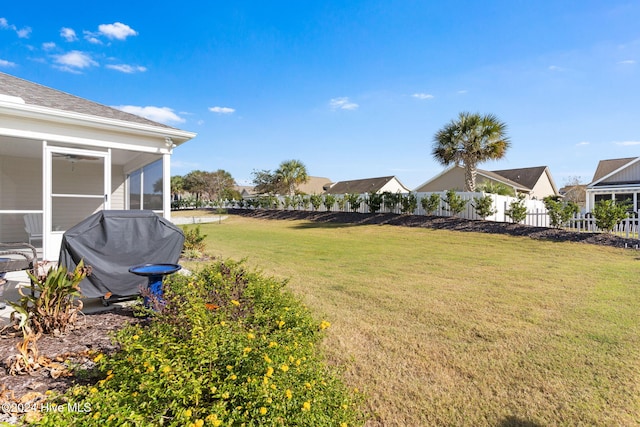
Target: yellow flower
[235, 302]
[213, 389]
[281, 324]
[96, 415]
[166, 369]
[267, 358]
[306, 406]
[135, 337]
[288, 394]
[223, 323]
[229, 367]
[151, 369]
[187, 413]
[233, 377]
[324, 324]
[199, 423]
[269, 371]
[284, 368]
[273, 344]
[250, 336]
[225, 395]
[343, 424]
[307, 385]
[93, 390]
[247, 350]
[263, 410]
[98, 357]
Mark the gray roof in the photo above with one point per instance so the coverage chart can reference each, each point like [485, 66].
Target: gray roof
[360, 186]
[605, 167]
[527, 177]
[43, 96]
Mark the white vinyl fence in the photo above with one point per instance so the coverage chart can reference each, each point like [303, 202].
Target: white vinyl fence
[537, 215]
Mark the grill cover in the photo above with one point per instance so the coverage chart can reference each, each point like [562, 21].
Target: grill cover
[112, 241]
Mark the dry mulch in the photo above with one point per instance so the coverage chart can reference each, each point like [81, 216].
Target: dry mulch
[93, 332]
[91, 335]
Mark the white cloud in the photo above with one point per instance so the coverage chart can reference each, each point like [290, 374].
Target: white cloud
[91, 37]
[6, 64]
[342, 103]
[126, 68]
[48, 46]
[23, 33]
[627, 143]
[68, 34]
[157, 114]
[222, 110]
[74, 61]
[462, 92]
[582, 143]
[555, 68]
[627, 62]
[117, 30]
[423, 96]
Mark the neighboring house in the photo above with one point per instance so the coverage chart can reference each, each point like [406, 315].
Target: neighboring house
[370, 186]
[246, 191]
[617, 179]
[315, 185]
[535, 182]
[63, 158]
[575, 193]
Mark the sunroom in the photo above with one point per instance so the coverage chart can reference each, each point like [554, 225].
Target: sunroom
[63, 158]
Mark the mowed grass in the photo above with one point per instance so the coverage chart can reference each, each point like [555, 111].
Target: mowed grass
[450, 328]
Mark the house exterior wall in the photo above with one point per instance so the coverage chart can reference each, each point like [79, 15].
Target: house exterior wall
[393, 186]
[629, 191]
[542, 189]
[453, 178]
[628, 174]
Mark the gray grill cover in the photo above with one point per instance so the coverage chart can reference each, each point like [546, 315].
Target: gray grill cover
[112, 241]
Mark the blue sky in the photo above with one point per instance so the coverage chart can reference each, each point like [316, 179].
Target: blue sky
[353, 89]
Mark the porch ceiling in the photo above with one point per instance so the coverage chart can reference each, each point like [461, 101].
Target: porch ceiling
[30, 148]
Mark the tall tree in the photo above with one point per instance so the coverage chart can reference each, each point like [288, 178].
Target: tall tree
[265, 182]
[195, 182]
[469, 140]
[219, 184]
[290, 174]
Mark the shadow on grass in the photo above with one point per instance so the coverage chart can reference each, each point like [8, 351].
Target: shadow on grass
[512, 421]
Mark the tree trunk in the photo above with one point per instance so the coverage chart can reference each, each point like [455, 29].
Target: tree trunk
[470, 177]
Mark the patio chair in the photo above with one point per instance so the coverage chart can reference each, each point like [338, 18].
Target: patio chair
[33, 226]
[16, 257]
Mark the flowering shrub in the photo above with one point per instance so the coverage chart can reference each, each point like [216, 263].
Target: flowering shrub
[230, 347]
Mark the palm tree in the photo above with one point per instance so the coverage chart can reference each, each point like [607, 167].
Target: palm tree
[471, 139]
[290, 174]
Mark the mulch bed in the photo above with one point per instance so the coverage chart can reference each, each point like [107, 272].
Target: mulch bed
[93, 331]
[444, 223]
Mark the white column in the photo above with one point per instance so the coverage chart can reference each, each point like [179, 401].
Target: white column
[166, 186]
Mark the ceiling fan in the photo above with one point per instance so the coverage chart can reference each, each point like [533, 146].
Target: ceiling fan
[75, 157]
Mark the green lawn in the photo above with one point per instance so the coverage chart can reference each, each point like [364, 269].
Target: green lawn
[451, 328]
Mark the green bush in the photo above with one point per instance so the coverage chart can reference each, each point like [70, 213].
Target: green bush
[517, 211]
[484, 206]
[193, 240]
[316, 201]
[559, 212]
[608, 214]
[409, 203]
[230, 347]
[430, 204]
[374, 201]
[454, 202]
[391, 200]
[329, 200]
[354, 201]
